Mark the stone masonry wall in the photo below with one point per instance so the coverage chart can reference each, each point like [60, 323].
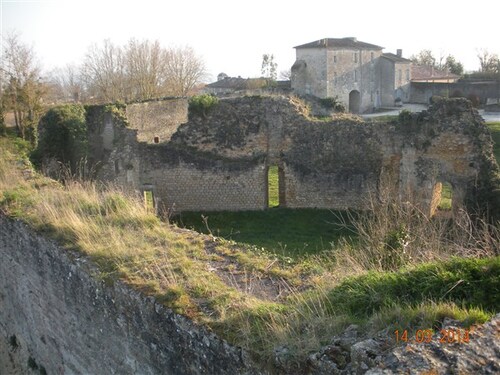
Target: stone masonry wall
[187, 188]
[59, 319]
[157, 118]
[219, 161]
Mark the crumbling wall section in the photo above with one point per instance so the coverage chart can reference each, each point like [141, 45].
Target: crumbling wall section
[219, 160]
[190, 180]
[156, 121]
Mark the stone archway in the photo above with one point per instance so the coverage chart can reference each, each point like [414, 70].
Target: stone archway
[354, 101]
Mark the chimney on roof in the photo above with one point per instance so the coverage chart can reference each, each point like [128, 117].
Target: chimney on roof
[351, 38]
[399, 52]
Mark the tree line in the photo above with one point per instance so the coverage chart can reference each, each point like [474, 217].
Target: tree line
[136, 71]
[489, 63]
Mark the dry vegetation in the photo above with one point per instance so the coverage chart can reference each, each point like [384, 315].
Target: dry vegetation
[255, 299]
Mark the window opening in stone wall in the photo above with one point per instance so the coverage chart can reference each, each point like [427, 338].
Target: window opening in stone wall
[149, 200]
[273, 197]
[442, 199]
[156, 139]
[446, 201]
[117, 166]
[334, 58]
[355, 57]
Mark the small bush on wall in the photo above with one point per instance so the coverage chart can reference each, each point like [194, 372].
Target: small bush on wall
[201, 104]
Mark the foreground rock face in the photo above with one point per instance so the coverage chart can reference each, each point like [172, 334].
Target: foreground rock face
[351, 354]
[481, 355]
[56, 318]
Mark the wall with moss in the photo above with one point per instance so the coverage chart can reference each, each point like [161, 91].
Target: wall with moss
[218, 160]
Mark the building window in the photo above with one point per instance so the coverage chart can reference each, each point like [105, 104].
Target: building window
[407, 74]
[371, 56]
[400, 75]
[334, 58]
[355, 57]
[355, 76]
[335, 77]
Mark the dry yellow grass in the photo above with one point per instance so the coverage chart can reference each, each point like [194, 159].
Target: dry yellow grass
[248, 298]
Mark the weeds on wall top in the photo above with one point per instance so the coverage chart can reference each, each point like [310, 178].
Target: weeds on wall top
[333, 103]
[117, 111]
[202, 104]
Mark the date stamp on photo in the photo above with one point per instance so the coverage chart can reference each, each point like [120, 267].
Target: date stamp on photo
[423, 336]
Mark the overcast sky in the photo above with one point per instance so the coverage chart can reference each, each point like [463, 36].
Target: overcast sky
[231, 36]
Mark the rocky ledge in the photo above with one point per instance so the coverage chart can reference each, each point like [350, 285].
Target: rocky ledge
[451, 350]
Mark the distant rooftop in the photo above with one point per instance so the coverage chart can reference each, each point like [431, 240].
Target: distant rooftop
[349, 43]
[395, 58]
[425, 73]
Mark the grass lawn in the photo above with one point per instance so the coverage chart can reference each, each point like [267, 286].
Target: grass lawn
[446, 197]
[289, 232]
[495, 134]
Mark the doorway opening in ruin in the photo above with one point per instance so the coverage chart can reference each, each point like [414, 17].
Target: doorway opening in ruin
[149, 198]
[354, 101]
[442, 198]
[275, 187]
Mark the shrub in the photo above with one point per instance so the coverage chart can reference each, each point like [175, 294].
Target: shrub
[333, 103]
[404, 117]
[474, 99]
[202, 104]
[63, 136]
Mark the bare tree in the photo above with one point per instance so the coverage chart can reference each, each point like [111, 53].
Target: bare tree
[140, 70]
[424, 57]
[146, 69]
[286, 75]
[103, 72]
[489, 62]
[23, 88]
[66, 84]
[184, 70]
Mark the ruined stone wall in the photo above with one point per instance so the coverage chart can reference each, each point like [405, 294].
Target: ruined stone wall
[320, 171]
[57, 319]
[158, 119]
[219, 161]
[185, 182]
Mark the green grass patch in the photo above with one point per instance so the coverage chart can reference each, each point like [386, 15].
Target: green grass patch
[284, 231]
[273, 187]
[495, 135]
[467, 282]
[445, 203]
